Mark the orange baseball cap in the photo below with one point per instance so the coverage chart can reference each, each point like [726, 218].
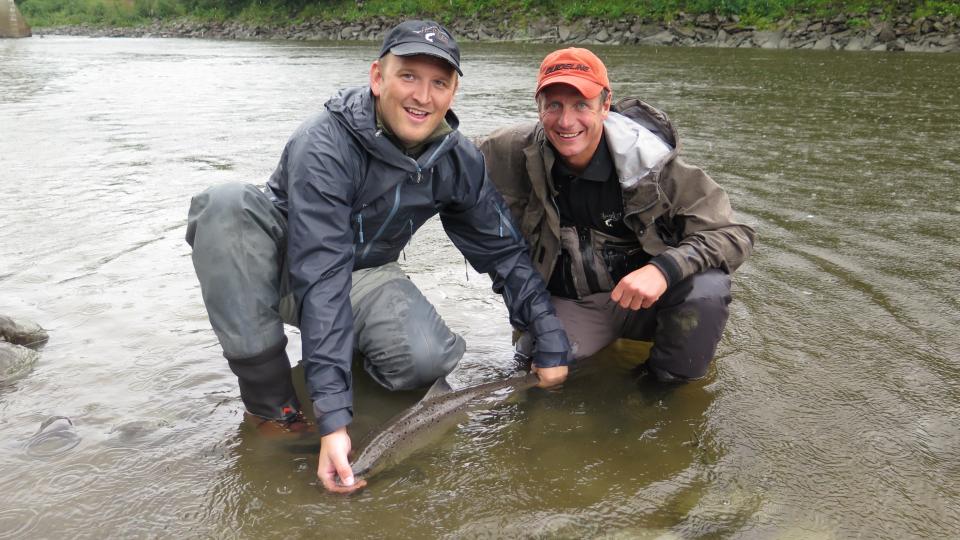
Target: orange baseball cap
[579, 68]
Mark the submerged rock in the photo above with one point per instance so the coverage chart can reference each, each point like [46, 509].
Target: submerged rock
[137, 431]
[18, 339]
[56, 436]
[26, 333]
[15, 362]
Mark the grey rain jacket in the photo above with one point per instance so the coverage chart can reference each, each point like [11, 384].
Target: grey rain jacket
[681, 217]
[353, 200]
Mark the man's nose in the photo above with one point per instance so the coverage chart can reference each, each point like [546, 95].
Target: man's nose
[421, 92]
[566, 117]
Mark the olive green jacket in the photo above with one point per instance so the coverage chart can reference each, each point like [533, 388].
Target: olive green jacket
[680, 215]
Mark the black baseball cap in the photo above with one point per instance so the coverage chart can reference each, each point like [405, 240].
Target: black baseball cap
[422, 37]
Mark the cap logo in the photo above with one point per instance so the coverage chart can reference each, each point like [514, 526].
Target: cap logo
[558, 67]
[431, 32]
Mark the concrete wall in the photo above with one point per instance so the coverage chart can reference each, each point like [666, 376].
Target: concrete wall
[12, 23]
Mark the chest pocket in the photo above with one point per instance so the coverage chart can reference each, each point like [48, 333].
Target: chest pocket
[621, 257]
[670, 230]
[592, 262]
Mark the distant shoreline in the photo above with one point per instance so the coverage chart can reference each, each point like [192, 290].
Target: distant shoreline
[841, 32]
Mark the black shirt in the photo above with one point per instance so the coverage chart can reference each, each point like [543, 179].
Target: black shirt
[592, 198]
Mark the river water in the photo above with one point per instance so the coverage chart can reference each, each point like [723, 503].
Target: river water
[832, 410]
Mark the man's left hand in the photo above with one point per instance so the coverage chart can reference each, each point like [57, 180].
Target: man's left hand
[640, 289]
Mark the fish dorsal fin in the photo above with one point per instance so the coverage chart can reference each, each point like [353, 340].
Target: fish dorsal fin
[439, 388]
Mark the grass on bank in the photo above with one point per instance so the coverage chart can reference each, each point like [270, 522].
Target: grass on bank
[761, 13]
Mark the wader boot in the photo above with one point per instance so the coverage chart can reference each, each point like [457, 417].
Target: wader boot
[266, 389]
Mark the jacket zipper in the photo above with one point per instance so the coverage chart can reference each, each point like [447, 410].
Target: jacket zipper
[505, 221]
[396, 204]
[383, 227]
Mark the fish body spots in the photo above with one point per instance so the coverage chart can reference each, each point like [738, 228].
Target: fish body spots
[400, 437]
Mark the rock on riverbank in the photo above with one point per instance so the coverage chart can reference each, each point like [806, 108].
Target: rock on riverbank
[871, 32]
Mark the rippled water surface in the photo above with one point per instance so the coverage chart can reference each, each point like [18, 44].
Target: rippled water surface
[832, 411]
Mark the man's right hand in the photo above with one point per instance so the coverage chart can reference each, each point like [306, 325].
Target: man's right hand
[551, 376]
[334, 463]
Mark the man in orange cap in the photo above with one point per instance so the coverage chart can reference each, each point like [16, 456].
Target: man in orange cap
[633, 242]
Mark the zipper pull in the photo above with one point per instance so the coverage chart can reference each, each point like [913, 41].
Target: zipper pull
[360, 222]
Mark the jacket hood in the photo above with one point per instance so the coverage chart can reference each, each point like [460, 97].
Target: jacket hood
[355, 109]
[641, 139]
[649, 117]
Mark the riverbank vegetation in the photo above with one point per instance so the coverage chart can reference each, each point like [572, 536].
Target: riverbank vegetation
[757, 13]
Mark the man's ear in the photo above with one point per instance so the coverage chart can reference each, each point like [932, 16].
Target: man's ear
[607, 103]
[376, 77]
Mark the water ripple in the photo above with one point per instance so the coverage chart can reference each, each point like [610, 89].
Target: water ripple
[18, 522]
[166, 378]
[68, 479]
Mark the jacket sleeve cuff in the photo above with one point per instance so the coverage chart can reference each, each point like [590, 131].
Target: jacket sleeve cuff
[551, 349]
[670, 270]
[545, 324]
[333, 420]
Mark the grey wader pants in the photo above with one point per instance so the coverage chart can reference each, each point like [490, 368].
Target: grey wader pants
[685, 325]
[239, 245]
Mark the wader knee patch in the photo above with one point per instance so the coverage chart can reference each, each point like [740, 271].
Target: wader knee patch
[404, 341]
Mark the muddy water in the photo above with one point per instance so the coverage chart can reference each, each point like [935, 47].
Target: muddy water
[831, 412]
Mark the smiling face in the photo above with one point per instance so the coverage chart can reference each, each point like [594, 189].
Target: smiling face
[572, 123]
[413, 94]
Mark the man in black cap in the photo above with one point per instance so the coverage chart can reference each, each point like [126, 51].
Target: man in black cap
[319, 247]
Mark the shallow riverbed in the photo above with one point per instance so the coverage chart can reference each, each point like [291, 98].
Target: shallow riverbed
[831, 411]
